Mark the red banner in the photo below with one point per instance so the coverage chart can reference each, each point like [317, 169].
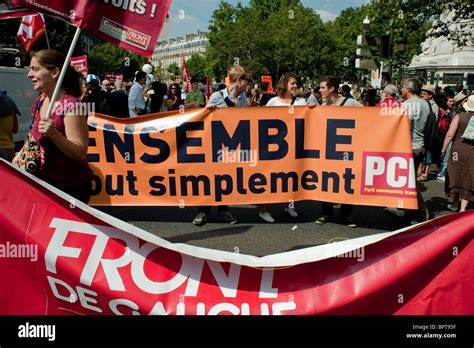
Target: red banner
[80, 64]
[132, 25]
[59, 256]
[112, 77]
[8, 11]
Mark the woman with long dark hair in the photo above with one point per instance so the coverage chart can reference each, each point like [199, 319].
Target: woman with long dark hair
[174, 97]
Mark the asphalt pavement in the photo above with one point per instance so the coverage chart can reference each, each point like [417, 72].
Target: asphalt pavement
[254, 237]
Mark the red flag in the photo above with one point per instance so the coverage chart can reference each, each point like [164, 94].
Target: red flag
[132, 25]
[208, 87]
[31, 29]
[185, 73]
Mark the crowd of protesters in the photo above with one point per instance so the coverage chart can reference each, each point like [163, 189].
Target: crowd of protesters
[449, 159]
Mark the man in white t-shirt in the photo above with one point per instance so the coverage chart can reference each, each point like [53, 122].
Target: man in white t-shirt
[136, 100]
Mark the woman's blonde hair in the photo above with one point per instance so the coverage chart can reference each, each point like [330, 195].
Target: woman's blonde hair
[237, 72]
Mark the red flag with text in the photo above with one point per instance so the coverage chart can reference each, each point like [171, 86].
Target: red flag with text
[132, 25]
[31, 29]
[59, 256]
[80, 64]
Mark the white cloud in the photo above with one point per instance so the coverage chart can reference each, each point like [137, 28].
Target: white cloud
[326, 15]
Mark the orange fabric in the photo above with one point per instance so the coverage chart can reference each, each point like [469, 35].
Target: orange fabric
[365, 157]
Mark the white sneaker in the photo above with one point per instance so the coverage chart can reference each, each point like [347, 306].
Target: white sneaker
[291, 211]
[441, 178]
[267, 217]
[396, 211]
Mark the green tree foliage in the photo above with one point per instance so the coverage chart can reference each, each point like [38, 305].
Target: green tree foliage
[455, 18]
[344, 31]
[174, 70]
[269, 37]
[301, 43]
[409, 20]
[196, 67]
[109, 58]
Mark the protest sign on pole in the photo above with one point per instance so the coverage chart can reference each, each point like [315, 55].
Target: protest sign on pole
[80, 64]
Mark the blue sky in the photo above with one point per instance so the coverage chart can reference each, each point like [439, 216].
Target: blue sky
[187, 16]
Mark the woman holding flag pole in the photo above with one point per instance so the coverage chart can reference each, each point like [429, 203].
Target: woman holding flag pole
[59, 128]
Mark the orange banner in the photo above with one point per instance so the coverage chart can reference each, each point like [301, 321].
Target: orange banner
[254, 155]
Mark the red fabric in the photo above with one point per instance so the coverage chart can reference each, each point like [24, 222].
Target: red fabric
[31, 29]
[443, 121]
[389, 102]
[132, 25]
[426, 270]
[8, 10]
[208, 87]
[57, 168]
[186, 74]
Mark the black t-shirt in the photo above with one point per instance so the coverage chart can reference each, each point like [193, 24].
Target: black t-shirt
[119, 104]
[157, 97]
[7, 106]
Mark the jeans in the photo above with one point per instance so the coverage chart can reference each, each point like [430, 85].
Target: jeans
[444, 163]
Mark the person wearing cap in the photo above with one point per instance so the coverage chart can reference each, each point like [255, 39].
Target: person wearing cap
[427, 93]
[460, 99]
[93, 92]
[92, 77]
[460, 181]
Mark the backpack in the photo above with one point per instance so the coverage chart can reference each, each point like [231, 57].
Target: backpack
[344, 101]
[430, 134]
[443, 122]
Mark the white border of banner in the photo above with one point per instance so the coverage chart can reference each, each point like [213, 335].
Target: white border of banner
[286, 259]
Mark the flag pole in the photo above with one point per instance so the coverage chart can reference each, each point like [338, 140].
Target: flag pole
[63, 72]
[47, 40]
[45, 31]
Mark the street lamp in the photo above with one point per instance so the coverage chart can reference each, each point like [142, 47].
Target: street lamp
[401, 44]
[366, 23]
